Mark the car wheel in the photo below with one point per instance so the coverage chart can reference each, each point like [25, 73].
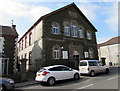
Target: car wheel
[3, 88]
[92, 73]
[107, 71]
[51, 81]
[76, 76]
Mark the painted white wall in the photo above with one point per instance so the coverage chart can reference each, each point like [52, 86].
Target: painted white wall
[1, 44]
[110, 52]
[36, 46]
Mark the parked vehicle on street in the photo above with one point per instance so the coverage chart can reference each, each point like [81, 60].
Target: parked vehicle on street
[51, 74]
[6, 84]
[92, 67]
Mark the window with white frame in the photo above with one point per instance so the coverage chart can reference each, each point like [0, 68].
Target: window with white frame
[86, 54]
[55, 28]
[25, 42]
[22, 44]
[81, 33]
[30, 58]
[56, 54]
[30, 39]
[89, 35]
[66, 30]
[74, 30]
[19, 46]
[91, 53]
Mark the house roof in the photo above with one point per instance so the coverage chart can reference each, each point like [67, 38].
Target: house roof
[42, 17]
[115, 40]
[7, 31]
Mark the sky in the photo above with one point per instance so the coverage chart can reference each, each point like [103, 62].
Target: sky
[103, 14]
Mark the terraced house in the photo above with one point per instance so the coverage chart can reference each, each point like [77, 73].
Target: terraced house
[64, 36]
[8, 49]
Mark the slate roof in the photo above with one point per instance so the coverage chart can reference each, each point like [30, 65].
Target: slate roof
[41, 18]
[115, 40]
[7, 31]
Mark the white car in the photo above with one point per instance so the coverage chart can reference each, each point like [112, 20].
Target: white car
[92, 67]
[54, 73]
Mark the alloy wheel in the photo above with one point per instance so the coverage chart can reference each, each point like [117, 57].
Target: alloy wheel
[51, 81]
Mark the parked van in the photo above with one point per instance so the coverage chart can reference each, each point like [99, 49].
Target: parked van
[92, 67]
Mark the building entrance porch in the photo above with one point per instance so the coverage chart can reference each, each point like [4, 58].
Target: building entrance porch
[4, 62]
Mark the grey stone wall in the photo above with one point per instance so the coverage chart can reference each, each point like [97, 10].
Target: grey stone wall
[67, 42]
[9, 51]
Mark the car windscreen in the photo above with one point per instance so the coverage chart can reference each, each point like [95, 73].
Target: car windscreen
[83, 63]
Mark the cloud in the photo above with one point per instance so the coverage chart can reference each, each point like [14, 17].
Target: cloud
[37, 11]
[89, 9]
[10, 9]
[112, 19]
[66, 0]
[102, 39]
[20, 12]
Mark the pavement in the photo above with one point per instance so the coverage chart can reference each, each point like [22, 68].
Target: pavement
[31, 80]
[28, 83]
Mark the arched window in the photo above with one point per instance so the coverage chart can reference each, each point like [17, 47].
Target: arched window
[81, 32]
[56, 51]
[66, 30]
[91, 53]
[89, 35]
[55, 28]
[74, 30]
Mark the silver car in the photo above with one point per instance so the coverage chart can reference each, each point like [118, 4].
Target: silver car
[6, 84]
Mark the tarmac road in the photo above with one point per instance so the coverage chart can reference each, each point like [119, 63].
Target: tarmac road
[100, 81]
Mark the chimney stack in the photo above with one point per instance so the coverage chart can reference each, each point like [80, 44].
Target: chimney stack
[13, 26]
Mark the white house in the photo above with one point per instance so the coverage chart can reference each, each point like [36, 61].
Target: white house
[110, 50]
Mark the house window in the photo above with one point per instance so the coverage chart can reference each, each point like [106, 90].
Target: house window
[86, 54]
[22, 57]
[74, 30]
[89, 35]
[91, 53]
[25, 55]
[30, 39]
[22, 44]
[66, 30]
[25, 42]
[30, 58]
[81, 33]
[56, 53]
[55, 28]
